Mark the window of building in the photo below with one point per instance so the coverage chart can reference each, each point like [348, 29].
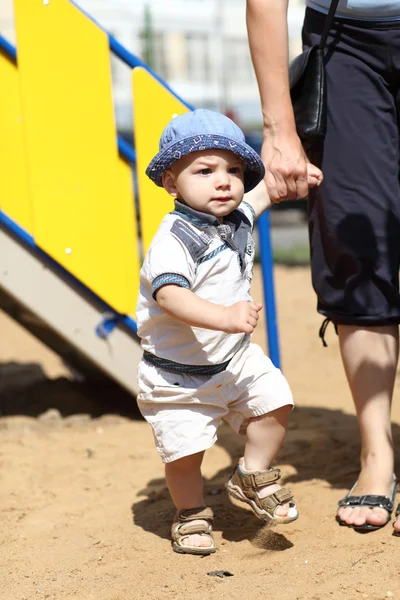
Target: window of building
[154, 52]
[237, 60]
[198, 57]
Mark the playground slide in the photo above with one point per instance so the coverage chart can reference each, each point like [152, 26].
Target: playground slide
[69, 248]
[70, 251]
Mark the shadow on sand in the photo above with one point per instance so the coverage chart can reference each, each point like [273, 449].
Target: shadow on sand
[320, 444]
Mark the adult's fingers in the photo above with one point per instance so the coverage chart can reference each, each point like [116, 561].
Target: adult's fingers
[275, 186]
[289, 172]
[291, 185]
[302, 187]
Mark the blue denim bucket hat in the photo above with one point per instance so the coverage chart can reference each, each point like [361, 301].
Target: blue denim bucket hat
[204, 130]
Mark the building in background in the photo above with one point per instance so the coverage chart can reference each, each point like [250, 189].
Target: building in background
[199, 47]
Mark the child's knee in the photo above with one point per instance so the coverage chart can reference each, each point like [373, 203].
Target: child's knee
[279, 415]
[185, 463]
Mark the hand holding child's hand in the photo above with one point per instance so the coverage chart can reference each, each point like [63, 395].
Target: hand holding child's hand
[241, 317]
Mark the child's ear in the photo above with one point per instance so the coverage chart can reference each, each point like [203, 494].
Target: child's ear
[168, 182]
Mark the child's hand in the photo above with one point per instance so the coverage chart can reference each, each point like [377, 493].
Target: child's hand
[241, 317]
[314, 175]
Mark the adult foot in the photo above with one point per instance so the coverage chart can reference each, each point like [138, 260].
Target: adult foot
[374, 483]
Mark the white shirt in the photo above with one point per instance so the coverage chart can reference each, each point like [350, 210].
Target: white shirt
[188, 250]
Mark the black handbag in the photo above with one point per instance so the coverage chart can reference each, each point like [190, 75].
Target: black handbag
[307, 80]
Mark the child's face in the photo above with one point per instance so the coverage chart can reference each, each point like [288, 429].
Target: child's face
[210, 181]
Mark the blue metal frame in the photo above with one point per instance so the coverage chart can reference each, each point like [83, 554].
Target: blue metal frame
[267, 266]
[128, 58]
[8, 49]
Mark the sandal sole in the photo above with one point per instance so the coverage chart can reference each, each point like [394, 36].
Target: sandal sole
[362, 528]
[237, 493]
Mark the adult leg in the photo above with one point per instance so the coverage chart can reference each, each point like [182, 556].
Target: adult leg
[354, 232]
[370, 361]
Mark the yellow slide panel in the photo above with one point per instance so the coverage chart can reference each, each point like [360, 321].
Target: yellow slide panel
[129, 236]
[82, 205]
[153, 107]
[14, 192]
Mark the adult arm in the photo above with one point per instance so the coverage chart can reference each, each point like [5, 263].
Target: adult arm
[282, 152]
[186, 307]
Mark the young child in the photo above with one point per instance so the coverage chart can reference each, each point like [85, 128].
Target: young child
[195, 317]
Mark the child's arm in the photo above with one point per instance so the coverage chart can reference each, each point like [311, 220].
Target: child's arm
[184, 306]
[259, 199]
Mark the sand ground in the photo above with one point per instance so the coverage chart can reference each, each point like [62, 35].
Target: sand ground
[85, 513]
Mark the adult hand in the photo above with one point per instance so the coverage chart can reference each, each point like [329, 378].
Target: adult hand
[241, 317]
[289, 174]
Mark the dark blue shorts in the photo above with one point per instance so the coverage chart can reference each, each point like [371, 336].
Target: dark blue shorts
[354, 217]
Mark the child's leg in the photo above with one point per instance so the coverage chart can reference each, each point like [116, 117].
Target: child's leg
[263, 409]
[185, 484]
[264, 437]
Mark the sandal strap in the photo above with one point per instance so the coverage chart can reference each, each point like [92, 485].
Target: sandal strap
[183, 525]
[369, 500]
[184, 529]
[192, 514]
[269, 503]
[258, 479]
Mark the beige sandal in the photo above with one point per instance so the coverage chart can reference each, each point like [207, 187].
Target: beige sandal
[182, 528]
[243, 485]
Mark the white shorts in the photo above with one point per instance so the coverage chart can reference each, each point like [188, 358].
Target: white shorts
[185, 411]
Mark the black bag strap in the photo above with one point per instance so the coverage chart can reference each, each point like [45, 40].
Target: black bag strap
[328, 23]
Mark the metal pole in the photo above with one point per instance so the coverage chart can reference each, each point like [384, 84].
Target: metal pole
[219, 58]
[267, 267]
[148, 33]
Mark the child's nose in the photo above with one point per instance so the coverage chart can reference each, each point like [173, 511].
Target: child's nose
[223, 180]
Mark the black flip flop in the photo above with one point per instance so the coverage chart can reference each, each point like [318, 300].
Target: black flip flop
[372, 501]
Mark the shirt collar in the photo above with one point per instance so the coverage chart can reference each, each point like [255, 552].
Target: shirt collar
[196, 217]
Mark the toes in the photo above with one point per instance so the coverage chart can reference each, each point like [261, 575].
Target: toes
[377, 516]
[360, 515]
[396, 525]
[346, 514]
[197, 541]
[282, 510]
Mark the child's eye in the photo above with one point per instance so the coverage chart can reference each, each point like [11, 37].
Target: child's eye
[205, 171]
[235, 170]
